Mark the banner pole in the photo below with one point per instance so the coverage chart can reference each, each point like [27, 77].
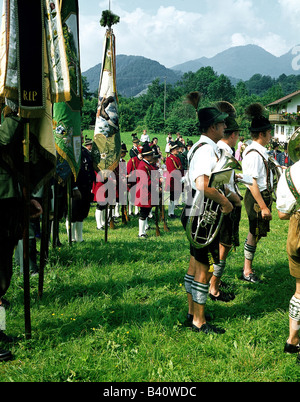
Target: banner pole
[69, 200]
[26, 193]
[44, 252]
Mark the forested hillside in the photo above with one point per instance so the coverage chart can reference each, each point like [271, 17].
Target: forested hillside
[164, 109]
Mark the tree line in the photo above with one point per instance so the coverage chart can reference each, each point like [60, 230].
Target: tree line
[163, 108]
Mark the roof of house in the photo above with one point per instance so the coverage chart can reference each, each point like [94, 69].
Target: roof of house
[284, 99]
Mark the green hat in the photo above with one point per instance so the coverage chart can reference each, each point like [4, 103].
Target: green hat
[209, 116]
[231, 125]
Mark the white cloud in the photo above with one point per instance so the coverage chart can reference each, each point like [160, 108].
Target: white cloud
[173, 36]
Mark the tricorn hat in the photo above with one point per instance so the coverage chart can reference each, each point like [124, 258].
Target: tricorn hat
[123, 147]
[147, 150]
[173, 145]
[209, 116]
[88, 141]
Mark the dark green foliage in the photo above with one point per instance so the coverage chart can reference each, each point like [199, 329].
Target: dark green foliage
[109, 19]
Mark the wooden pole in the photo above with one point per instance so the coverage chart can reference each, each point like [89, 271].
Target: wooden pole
[69, 197]
[44, 252]
[26, 193]
[55, 223]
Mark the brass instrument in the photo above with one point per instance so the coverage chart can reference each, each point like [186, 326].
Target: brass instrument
[244, 146]
[294, 146]
[203, 226]
[294, 153]
[277, 172]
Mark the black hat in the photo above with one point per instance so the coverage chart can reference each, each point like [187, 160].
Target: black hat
[88, 141]
[173, 145]
[231, 123]
[190, 143]
[147, 150]
[123, 147]
[259, 122]
[209, 116]
[180, 144]
[135, 140]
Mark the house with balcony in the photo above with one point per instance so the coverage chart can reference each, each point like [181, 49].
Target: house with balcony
[285, 115]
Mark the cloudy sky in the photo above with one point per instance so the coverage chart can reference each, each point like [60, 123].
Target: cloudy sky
[174, 31]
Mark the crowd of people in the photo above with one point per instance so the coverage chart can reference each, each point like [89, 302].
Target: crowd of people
[149, 179]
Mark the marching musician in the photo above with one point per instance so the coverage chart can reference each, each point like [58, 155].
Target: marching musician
[143, 198]
[258, 198]
[229, 231]
[119, 175]
[132, 166]
[203, 158]
[288, 204]
[174, 184]
[134, 150]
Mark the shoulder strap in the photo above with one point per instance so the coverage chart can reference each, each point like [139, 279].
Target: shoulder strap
[266, 163]
[291, 184]
[194, 151]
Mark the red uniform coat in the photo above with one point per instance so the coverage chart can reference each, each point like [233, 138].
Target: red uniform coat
[132, 165]
[173, 163]
[143, 190]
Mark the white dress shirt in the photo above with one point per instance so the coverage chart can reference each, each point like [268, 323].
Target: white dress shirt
[253, 165]
[204, 160]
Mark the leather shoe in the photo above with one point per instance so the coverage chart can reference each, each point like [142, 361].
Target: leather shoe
[225, 297]
[5, 355]
[190, 317]
[289, 348]
[5, 338]
[208, 329]
[252, 278]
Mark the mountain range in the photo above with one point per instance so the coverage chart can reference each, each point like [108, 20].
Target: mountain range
[135, 73]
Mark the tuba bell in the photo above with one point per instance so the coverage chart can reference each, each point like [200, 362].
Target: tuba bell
[205, 215]
[277, 172]
[294, 146]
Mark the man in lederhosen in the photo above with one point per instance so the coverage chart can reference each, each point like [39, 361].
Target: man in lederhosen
[229, 231]
[288, 204]
[258, 198]
[203, 158]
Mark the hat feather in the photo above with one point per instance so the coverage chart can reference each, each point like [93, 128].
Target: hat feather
[193, 98]
[226, 107]
[255, 110]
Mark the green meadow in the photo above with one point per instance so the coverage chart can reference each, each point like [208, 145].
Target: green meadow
[115, 312]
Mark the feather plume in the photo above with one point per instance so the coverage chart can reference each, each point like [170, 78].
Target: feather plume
[193, 99]
[255, 110]
[226, 107]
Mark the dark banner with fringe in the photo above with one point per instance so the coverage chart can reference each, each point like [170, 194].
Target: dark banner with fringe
[30, 49]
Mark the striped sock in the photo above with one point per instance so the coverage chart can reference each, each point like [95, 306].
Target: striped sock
[188, 280]
[249, 251]
[199, 292]
[294, 311]
[219, 269]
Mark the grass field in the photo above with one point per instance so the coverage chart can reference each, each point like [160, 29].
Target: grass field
[114, 312]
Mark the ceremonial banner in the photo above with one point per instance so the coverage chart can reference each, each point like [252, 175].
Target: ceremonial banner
[34, 74]
[67, 115]
[107, 141]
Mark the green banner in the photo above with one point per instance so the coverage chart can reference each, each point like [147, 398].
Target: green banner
[106, 149]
